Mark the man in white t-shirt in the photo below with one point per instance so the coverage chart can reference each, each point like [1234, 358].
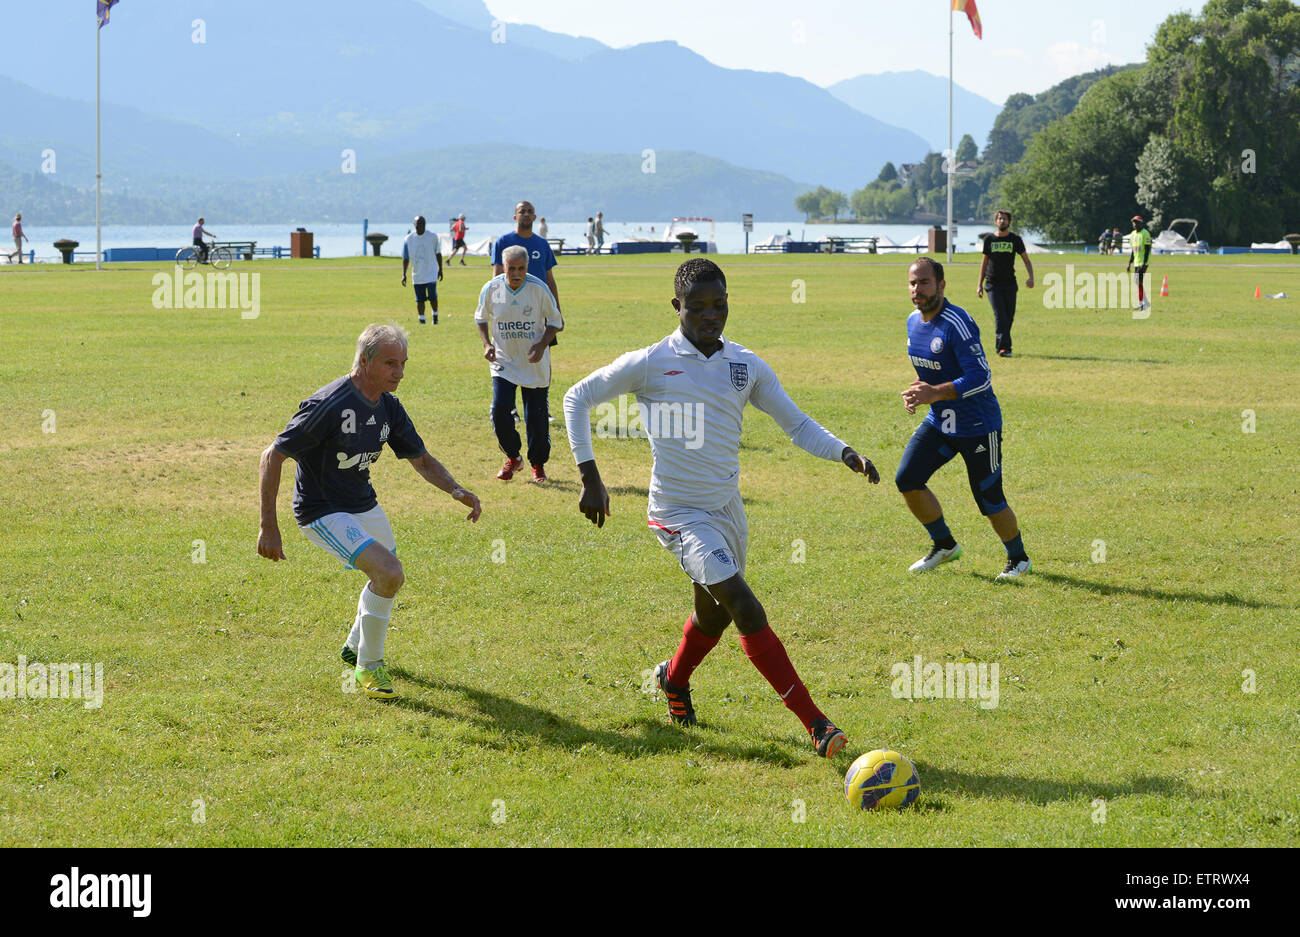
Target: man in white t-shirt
[517, 319]
[422, 252]
[691, 390]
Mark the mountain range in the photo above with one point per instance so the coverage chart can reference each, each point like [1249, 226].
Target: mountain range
[228, 91]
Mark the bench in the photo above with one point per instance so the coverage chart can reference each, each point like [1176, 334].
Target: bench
[842, 245]
[246, 248]
[279, 252]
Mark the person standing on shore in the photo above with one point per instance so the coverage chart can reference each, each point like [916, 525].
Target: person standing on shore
[600, 231]
[19, 237]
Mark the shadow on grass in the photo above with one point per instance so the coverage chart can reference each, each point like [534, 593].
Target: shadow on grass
[1091, 358]
[1167, 595]
[1043, 791]
[628, 490]
[643, 738]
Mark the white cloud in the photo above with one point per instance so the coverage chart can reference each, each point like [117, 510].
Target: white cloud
[1073, 58]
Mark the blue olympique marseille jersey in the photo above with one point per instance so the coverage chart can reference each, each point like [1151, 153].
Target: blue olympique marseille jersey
[947, 348]
[334, 437]
[540, 256]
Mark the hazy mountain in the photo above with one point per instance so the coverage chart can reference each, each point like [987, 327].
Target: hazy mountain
[482, 180]
[307, 81]
[893, 96]
[475, 14]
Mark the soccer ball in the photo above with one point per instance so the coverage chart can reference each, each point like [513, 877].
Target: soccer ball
[882, 779]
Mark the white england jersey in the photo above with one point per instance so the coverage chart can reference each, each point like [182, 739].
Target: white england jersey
[692, 408]
[422, 251]
[516, 321]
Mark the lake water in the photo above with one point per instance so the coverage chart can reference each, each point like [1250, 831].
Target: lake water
[344, 240]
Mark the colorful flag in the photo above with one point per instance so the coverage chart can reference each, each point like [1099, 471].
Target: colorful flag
[972, 14]
[103, 6]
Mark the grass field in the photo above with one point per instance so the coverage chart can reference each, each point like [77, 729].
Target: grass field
[133, 432]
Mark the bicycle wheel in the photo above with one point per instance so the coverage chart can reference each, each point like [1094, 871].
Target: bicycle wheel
[187, 257]
[220, 258]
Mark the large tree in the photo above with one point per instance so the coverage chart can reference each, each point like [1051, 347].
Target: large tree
[1209, 128]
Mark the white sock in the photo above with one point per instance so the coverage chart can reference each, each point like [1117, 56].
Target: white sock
[373, 612]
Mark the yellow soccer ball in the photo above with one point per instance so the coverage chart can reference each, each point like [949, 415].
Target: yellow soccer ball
[882, 779]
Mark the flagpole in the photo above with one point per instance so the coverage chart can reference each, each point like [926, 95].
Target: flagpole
[99, 237]
[952, 155]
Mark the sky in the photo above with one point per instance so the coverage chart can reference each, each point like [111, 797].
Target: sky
[1028, 45]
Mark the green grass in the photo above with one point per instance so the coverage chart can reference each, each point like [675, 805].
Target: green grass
[523, 681]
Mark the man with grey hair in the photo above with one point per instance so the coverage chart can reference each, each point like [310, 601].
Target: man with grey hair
[517, 319]
[335, 436]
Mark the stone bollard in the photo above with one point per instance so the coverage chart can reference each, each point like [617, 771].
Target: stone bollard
[66, 246]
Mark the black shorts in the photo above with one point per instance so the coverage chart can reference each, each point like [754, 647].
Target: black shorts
[426, 292]
[458, 244]
[929, 450]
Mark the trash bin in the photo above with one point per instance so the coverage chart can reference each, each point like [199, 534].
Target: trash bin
[300, 244]
[938, 240]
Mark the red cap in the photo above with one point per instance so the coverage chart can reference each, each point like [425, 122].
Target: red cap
[1137, 218]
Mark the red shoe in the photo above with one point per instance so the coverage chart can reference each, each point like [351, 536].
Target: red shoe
[539, 474]
[508, 470]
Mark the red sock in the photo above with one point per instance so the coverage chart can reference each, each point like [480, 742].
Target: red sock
[694, 648]
[766, 652]
[1141, 295]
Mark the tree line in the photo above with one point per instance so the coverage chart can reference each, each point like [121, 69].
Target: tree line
[1208, 127]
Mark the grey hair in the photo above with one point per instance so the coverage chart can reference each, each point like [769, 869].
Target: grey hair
[374, 338]
[514, 250]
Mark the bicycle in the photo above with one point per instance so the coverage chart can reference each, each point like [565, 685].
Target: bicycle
[218, 257]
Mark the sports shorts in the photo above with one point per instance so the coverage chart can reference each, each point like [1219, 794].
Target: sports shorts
[709, 545]
[344, 535]
[426, 292]
[458, 244]
[930, 450]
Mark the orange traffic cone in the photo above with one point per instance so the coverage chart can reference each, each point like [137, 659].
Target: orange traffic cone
[1257, 292]
[1164, 287]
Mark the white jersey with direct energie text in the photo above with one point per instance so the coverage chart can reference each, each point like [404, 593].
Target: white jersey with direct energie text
[516, 320]
[692, 409]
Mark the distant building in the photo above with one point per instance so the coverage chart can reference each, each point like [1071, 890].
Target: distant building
[905, 171]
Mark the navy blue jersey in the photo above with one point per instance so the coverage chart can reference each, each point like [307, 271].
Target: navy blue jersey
[947, 348]
[334, 437]
[540, 256]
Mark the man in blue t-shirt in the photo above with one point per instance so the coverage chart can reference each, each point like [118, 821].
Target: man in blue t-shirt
[540, 256]
[953, 377]
[335, 436]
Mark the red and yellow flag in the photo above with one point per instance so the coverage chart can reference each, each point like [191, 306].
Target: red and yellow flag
[972, 14]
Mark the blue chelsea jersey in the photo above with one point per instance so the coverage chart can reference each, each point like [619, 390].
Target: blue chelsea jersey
[947, 348]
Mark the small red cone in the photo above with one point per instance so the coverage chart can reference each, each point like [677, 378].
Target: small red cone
[1257, 296]
[1164, 287]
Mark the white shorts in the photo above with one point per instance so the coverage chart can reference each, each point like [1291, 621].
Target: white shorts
[710, 545]
[344, 536]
